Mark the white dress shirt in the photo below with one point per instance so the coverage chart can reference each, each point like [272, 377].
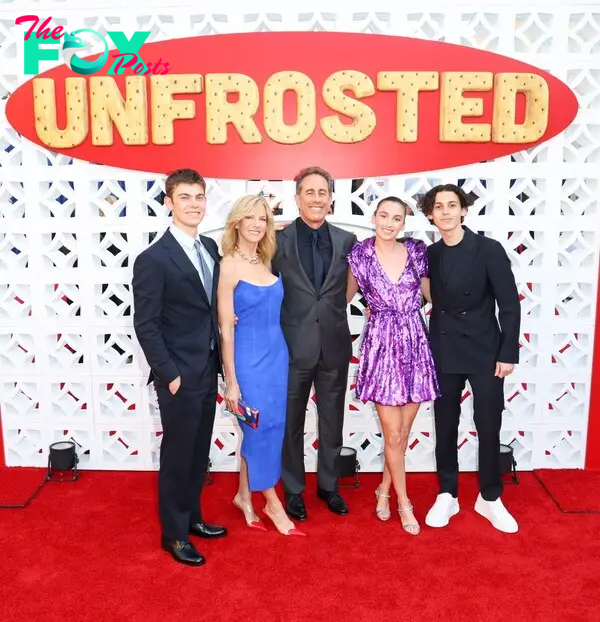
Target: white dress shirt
[187, 244]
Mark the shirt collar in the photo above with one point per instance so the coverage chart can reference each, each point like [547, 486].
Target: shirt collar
[308, 230]
[183, 238]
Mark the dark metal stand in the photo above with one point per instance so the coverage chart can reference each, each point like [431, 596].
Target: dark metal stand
[50, 473]
[209, 478]
[352, 484]
[508, 464]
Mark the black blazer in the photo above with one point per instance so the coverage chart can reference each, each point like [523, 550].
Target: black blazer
[464, 331]
[314, 322]
[173, 319]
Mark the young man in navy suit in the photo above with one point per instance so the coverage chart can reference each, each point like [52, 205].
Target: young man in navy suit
[174, 292]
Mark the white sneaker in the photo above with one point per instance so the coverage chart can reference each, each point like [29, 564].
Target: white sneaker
[444, 508]
[497, 514]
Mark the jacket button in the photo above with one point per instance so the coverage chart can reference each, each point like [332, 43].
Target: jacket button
[464, 313]
[443, 332]
[318, 297]
[442, 311]
[317, 320]
[465, 335]
[467, 293]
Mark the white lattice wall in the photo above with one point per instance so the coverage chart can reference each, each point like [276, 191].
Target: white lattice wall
[69, 231]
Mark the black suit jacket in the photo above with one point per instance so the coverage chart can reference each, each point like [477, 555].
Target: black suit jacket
[464, 331]
[314, 322]
[173, 319]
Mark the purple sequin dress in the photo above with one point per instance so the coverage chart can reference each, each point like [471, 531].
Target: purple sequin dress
[396, 366]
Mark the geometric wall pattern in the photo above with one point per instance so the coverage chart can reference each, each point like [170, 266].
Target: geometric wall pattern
[70, 365]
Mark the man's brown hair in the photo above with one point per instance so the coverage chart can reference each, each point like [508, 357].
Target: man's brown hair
[183, 176]
[313, 170]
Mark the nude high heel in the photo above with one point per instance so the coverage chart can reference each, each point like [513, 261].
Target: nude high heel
[252, 520]
[290, 532]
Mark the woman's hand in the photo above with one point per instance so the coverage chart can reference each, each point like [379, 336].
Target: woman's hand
[232, 395]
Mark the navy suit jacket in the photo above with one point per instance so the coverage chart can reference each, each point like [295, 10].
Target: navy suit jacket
[173, 319]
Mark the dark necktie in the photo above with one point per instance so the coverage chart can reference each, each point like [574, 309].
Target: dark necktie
[207, 281]
[206, 275]
[317, 261]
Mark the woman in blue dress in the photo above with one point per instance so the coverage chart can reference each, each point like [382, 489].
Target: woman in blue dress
[255, 354]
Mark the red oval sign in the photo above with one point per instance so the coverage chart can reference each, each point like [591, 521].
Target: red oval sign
[265, 105]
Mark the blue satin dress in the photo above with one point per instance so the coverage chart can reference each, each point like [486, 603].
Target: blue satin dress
[261, 366]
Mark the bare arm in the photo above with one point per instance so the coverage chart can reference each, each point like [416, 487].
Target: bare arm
[425, 288]
[227, 282]
[351, 288]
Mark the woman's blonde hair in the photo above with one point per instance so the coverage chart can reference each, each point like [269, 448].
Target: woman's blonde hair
[241, 208]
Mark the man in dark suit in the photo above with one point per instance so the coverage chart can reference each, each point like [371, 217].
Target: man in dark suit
[311, 257]
[174, 292]
[470, 275]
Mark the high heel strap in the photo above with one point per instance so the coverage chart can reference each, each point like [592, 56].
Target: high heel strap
[414, 529]
[382, 514]
[380, 494]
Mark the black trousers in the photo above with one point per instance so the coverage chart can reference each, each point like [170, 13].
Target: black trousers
[330, 389]
[488, 404]
[187, 420]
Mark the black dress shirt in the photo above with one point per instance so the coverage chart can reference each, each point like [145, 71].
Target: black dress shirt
[305, 248]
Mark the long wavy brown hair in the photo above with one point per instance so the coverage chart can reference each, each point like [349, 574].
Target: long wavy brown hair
[241, 208]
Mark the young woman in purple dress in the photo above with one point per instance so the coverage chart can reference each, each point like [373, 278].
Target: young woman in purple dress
[396, 369]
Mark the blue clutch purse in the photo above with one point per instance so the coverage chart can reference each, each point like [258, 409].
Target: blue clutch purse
[247, 414]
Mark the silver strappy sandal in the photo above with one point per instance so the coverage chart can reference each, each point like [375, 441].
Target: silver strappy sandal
[382, 515]
[414, 529]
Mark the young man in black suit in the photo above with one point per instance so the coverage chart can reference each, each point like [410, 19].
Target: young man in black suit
[174, 292]
[470, 274]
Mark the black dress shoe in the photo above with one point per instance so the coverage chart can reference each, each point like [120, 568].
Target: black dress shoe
[334, 501]
[202, 530]
[294, 506]
[183, 552]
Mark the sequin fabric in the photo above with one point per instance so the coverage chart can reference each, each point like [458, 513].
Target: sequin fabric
[396, 366]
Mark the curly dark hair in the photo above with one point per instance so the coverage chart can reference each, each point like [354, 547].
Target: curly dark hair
[426, 201]
[183, 176]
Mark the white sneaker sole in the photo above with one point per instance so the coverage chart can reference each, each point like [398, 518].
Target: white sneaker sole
[453, 512]
[513, 529]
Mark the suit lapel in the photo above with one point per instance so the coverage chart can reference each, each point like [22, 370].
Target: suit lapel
[290, 248]
[217, 260]
[336, 251]
[180, 259]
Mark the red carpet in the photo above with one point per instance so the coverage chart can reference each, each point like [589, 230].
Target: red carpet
[89, 550]
[574, 490]
[18, 484]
